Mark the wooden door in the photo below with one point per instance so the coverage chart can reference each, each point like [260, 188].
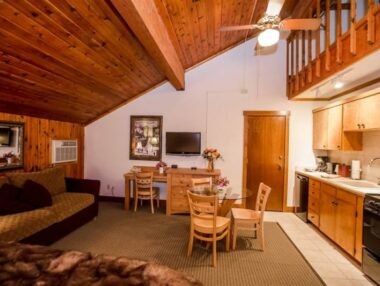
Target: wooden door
[320, 125]
[351, 115]
[265, 148]
[369, 112]
[327, 209]
[345, 221]
[334, 128]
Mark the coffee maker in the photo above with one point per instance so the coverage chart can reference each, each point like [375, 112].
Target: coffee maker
[322, 163]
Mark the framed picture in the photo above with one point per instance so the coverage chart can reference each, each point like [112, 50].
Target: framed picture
[145, 138]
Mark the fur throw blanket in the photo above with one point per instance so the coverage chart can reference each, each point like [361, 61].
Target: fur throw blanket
[23, 264]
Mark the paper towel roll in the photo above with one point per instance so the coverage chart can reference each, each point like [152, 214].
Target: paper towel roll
[355, 170]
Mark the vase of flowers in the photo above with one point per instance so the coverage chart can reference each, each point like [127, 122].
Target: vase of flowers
[221, 183]
[161, 167]
[211, 154]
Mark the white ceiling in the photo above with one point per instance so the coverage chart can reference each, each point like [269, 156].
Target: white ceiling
[358, 73]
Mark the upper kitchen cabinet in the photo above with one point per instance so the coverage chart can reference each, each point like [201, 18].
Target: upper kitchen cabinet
[327, 131]
[362, 114]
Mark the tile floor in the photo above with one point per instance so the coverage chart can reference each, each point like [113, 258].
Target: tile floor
[334, 268]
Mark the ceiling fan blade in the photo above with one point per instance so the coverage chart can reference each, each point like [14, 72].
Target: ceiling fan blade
[238, 28]
[300, 24]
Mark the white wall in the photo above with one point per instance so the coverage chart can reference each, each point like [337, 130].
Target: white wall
[216, 94]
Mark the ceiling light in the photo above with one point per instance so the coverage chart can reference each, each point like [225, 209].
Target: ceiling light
[338, 84]
[269, 37]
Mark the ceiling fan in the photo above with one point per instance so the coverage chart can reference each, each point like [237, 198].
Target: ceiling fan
[271, 25]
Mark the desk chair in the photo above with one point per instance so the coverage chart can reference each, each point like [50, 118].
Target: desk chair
[144, 189]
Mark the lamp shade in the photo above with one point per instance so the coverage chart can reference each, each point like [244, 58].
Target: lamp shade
[269, 37]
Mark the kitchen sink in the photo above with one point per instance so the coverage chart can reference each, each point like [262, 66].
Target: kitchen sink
[359, 184]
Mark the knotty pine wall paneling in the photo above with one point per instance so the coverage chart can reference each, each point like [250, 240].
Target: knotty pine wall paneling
[37, 142]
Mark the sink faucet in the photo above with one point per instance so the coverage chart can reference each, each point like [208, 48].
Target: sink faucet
[373, 160]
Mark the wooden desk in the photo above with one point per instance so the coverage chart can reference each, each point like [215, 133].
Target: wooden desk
[129, 177]
[178, 182]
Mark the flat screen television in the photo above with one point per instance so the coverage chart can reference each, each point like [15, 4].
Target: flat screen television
[183, 143]
[5, 136]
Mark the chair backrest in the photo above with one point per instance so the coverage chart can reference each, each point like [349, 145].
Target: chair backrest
[202, 182]
[144, 180]
[203, 207]
[262, 197]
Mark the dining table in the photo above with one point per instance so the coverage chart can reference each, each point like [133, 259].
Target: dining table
[227, 196]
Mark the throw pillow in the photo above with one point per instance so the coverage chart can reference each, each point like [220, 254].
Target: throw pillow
[52, 179]
[35, 194]
[9, 203]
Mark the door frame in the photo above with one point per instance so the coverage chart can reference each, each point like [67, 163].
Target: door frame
[283, 113]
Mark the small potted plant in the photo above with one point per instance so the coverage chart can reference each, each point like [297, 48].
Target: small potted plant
[211, 154]
[221, 183]
[161, 167]
[9, 157]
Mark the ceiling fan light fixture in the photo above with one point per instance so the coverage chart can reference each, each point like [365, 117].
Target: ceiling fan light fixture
[269, 37]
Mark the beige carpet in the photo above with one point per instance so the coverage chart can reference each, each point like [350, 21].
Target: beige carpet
[164, 239]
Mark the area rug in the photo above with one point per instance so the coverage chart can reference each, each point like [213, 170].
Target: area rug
[164, 239]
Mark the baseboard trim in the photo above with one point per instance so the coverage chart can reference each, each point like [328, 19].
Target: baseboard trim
[111, 199]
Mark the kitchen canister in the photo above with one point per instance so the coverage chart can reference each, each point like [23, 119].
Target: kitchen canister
[355, 170]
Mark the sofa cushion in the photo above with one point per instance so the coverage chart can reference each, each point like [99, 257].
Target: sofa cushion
[52, 179]
[21, 225]
[67, 204]
[3, 180]
[9, 202]
[35, 194]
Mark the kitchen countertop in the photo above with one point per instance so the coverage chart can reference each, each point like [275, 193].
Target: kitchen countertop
[337, 182]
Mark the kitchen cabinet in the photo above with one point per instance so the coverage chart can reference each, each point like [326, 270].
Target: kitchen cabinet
[362, 114]
[328, 131]
[327, 221]
[313, 202]
[337, 216]
[320, 125]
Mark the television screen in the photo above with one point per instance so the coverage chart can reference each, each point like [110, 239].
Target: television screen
[183, 143]
[5, 136]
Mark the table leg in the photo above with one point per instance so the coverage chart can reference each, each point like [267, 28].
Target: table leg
[127, 198]
[225, 207]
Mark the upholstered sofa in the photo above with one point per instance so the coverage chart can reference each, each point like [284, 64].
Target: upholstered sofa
[74, 203]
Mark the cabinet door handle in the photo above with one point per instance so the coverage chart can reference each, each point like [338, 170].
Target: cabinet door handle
[363, 125]
[338, 146]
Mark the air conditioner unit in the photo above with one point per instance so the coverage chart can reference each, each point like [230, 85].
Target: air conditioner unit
[64, 151]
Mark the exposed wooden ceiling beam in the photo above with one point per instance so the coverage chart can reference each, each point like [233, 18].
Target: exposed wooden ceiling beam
[145, 20]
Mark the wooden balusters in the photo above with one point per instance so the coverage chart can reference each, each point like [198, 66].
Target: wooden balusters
[288, 77]
[318, 43]
[371, 22]
[338, 31]
[309, 52]
[303, 65]
[352, 27]
[327, 35]
[297, 60]
[292, 60]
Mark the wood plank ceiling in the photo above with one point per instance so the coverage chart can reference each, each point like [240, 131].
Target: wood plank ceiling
[74, 60]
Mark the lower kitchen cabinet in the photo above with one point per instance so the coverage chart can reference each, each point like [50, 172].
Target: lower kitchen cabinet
[327, 211]
[339, 218]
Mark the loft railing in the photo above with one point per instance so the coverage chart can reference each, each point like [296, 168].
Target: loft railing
[350, 31]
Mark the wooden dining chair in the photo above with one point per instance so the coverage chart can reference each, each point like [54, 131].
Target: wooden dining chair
[202, 182]
[144, 189]
[251, 219]
[205, 224]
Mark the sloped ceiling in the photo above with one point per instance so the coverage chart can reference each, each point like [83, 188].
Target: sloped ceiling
[74, 60]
